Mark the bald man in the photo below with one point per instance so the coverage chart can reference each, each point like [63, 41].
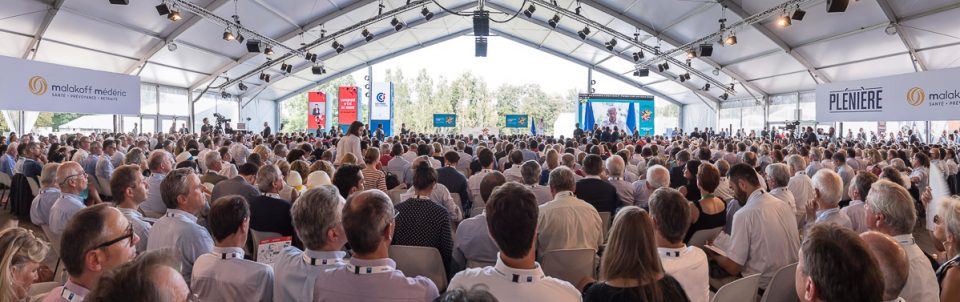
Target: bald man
[72, 180]
[893, 263]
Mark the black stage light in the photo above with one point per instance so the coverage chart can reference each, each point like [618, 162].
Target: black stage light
[691, 54]
[480, 47]
[643, 72]
[481, 23]
[163, 9]
[242, 87]
[397, 25]
[637, 56]
[318, 70]
[584, 33]
[174, 16]
[120, 2]
[228, 36]
[610, 45]
[706, 50]
[554, 21]
[799, 14]
[427, 14]
[367, 35]
[268, 50]
[731, 40]
[837, 6]
[253, 46]
[529, 11]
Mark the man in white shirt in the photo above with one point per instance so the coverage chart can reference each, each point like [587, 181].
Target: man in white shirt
[160, 163]
[845, 172]
[892, 260]
[223, 274]
[516, 276]
[764, 235]
[472, 241]
[778, 177]
[530, 172]
[657, 177]
[825, 208]
[856, 211]
[820, 278]
[129, 191]
[800, 186]
[72, 182]
[317, 221]
[178, 228]
[100, 239]
[625, 189]
[890, 210]
[49, 193]
[104, 166]
[688, 264]
[567, 222]
[485, 157]
[513, 173]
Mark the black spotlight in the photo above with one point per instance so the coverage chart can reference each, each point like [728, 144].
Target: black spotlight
[799, 14]
[397, 24]
[687, 75]
[643, 72]
[240, 37]
[337, 46]
[367, 35]
[666, 66]
[242, 87]
[583, 33]
[289, 68]
[427, 14]
[706, 50]
[637, 56]
[660, 67]
[837, 6]
[554, 21]
[312, 57]
[731, 40]
[480, 47]
[283, 66]
[120, 2]
[610, 45]
[529, 11]
[268, 50]
[481, 23]
[253, 46]
[682, 78]
[691, 54]
[724, 96]
[163, 9]
[318, 70]
[706, 87]
[174, 16]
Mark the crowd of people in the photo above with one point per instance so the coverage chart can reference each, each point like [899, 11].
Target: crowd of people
[170, 216]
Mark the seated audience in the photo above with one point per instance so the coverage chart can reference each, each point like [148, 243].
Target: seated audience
[49, 193]
[178, 229]
[368, 220]
[422, 222]
[223, 274]
[152, 277]
[72, 183]
[472, 241]
[160, 163]
[242, 184]
[453, 180]
[100, 239]
[512, 219]
[827, 187]
[657, 177]
[625, 190]
[836, 265]
[317, 221]
[947, 230]
[439, 195]
[22, 254]
[592, 189]
[856, 211]
[709, 212]
[688, 264]
[268, 212]
[778, 180]
[129, 191]
[567, 222]
[348, 179]
[486, 160]
[893, 262]
[630, 269]
[690, 189]
[214, 164]
[530, 171]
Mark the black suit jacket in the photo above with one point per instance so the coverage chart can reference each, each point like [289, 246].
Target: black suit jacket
[676, 177]
[457, 184]
[268, 214]
[598, 193]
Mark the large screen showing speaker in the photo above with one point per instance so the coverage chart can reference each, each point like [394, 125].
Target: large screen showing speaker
[621, 112]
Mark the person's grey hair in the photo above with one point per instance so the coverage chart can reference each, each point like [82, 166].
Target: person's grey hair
[658, 177]
[174, 185]
[134, 157]
[779, 173]
[266, 176]
[796, 162]
[950, 214]
[211, 158]
[815, 153]
[898, 164]
[530, 171]
[48, 176]
[569, 160]
[562, 179]
[750, 158]
[315, 212]
[894, 202]
[830, 186]
[615, 166]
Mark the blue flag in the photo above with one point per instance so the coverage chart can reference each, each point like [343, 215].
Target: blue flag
[588, 120]
[533, 128]
[631, 119]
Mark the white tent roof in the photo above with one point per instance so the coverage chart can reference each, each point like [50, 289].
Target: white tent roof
[870, 39]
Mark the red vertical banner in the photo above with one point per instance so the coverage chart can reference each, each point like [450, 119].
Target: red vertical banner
[348, 105]
[316, 110]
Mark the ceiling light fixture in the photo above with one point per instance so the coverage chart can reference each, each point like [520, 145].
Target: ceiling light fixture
[731, 40]
[367, 35]
[610, 45]
[637, 56]
[268, 50]
[798, 14]
[426, 13]
[397, 24]
[172, 46]
[228, 36]
[529, 11]
[784, 21]
[337, 46]
[583, 33]
[554, 21]
[174, 16]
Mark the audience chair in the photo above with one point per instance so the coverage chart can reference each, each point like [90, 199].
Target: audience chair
[5, 182]
[420, 261]
[782, 287]
[475, 263]
[741, 290]
[54, 248]
[701, 237]
[569, 265]
[34, 186]
[605, 220]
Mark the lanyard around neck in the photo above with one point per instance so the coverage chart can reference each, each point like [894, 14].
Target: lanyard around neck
[363, 270]
[321, 261]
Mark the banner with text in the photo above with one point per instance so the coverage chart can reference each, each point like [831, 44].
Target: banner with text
[37, 86]
[922, 96]
[444, 120]
[316, 110]
[381, 107]
[517, 121]
[347, 109]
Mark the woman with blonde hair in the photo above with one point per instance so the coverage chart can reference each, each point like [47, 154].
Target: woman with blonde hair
[630, 269]
[373, 178]
[22, 254]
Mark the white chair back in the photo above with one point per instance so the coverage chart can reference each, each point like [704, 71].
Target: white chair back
[741, 290]
[475, 263]
[5, 180]
[782, 287]
[605, 220]
[34, 186]
[420, 261]
[701, 237]
[569, 265]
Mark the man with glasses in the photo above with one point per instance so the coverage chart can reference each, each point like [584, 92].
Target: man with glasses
[890, 210]
[129, 191]
[101, 239]
[178, 229]
[72, 182]
[224, 275]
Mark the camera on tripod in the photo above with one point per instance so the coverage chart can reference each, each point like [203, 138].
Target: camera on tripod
[792, 125]
[222, 120]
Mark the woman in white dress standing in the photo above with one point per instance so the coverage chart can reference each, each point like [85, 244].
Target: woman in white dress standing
[349, 143]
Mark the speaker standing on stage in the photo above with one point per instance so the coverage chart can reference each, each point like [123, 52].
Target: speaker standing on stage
[266, 130]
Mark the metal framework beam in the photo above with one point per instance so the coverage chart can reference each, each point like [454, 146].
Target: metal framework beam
[287, 36]
[818, 76]
[34, 45]
[376, 37]
[597, 45]
[183, 27]
[386, 57]
[669, 39]
[918, 64]
[586, 64]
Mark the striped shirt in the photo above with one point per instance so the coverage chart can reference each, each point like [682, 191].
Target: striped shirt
[374, 179]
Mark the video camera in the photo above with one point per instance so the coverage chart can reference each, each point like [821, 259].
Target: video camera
[221, 120]
[792, 125]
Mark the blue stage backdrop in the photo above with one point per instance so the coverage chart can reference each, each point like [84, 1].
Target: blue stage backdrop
[631, 112]
[444, 120]
[517, 121]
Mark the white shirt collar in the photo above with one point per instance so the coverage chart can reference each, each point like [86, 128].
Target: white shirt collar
[228, 252]
[592, 177]
[181, 214]
[822, 214]
[905, 239]
[517, 275]
[671, 252]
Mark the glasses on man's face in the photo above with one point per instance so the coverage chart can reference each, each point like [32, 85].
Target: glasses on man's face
[66, 179]
[126, 234]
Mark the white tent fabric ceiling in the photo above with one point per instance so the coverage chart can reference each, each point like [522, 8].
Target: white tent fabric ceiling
[872, 38]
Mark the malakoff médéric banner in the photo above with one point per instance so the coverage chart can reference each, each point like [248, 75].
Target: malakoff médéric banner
[921, 96]
[37, 86]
